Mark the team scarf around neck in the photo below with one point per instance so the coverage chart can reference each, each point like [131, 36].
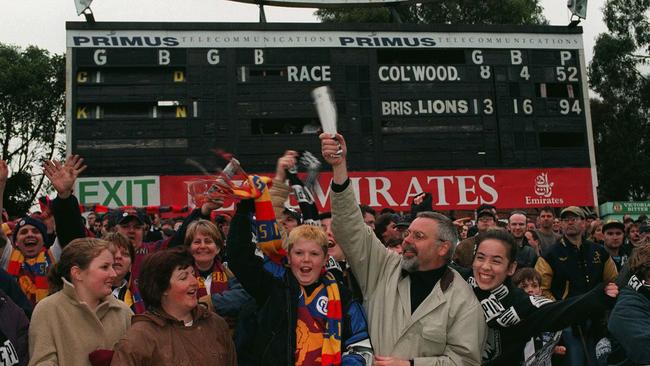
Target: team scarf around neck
[31, 273]
[218, 284]
[503, 307]
[130, 295]
[640, 286]
[331, 354]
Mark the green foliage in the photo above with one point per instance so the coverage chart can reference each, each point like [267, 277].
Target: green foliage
[621, 120]
[32, 86]
[18, 194]
[445, 12]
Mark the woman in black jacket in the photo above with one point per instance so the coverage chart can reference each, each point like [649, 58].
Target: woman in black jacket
[297, 321]
[513, 317]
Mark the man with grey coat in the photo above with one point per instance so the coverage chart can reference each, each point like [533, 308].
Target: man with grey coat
[420, 311]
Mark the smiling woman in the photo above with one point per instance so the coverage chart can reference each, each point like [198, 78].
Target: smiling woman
[513, 317]
[81, 317]
[218, 288]
[174, 330]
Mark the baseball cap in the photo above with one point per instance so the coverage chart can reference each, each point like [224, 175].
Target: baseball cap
[293, 214]
[126, 215]
[572, 210]
[403, 220]
[486, 212]
[613, 223]
[645, 227]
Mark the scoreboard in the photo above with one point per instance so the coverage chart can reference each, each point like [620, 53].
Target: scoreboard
[144, 97]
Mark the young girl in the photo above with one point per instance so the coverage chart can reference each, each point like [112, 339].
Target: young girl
[80, 316]
[513, 317]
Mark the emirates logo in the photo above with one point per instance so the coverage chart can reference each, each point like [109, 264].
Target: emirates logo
[543, 187]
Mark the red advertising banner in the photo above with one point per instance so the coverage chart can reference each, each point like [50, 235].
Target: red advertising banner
[451, 189]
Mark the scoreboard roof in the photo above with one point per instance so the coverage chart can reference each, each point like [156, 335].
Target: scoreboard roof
[279, 35]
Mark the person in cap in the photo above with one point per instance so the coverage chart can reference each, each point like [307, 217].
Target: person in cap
[291, 219]
[486, 219]
[570, 268]
[613, 238]
[420, 311]
[26, 257]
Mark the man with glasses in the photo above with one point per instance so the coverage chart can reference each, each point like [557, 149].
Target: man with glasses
[420, 311]
[570, 268]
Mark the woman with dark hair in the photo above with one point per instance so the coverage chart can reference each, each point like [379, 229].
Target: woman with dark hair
[80, 320]
[306, 314]
[218, 287]
[513, 317]
[174, 330]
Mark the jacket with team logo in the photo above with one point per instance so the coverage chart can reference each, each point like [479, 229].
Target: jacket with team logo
[276, 295]
[513, 317]
[568, 270]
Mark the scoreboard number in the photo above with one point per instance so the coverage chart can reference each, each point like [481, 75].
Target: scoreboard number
[567, 107]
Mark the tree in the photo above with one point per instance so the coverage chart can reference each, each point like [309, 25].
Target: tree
[32, 86]
[444, 12]
[621, 119]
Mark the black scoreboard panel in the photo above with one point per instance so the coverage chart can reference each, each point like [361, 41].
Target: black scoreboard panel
[145, 110]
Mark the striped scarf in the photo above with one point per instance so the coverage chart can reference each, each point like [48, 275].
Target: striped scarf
[322, 340]
[218, 284]
[130, 295]
[265, 226]
[31, 273]
[332, 335]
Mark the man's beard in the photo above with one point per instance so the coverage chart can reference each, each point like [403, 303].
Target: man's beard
[410, 264]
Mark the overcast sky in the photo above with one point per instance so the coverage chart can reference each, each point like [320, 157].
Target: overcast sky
[42, 22]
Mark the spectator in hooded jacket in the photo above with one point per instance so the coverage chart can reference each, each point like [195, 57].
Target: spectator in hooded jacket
[175, 330]
[81, 318]
[629, 322]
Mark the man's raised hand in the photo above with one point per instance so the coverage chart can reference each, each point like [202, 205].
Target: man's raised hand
[333, 148]
[63, 176]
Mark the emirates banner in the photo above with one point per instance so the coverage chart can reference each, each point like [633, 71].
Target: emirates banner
[451, 189]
